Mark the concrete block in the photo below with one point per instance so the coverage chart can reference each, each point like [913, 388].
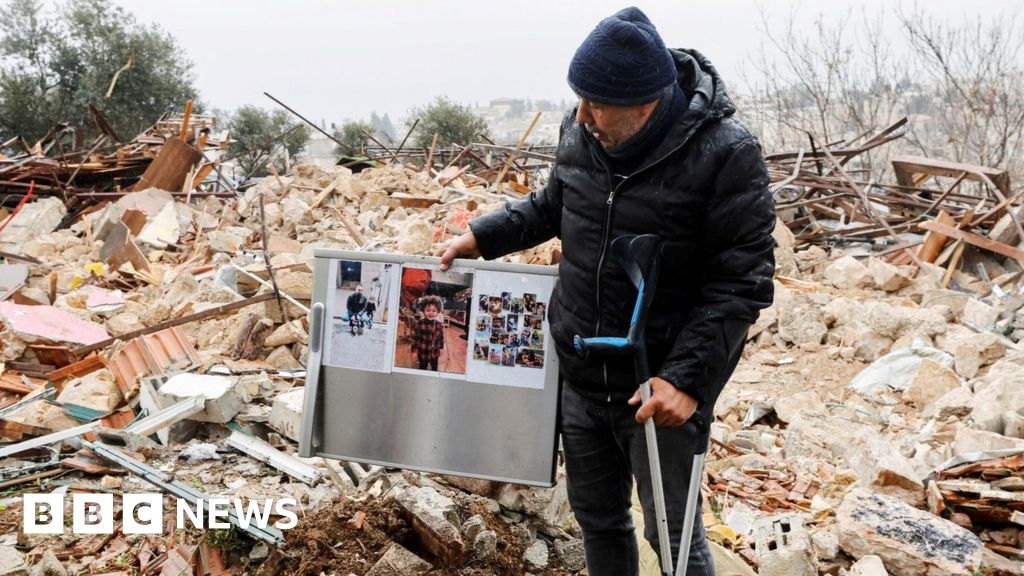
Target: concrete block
[286, 413]
[223, 399]
[784, 547]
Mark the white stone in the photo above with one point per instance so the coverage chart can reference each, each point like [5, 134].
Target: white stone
[886, 277]
[869, 565]
[909, 541]
[96, 390]
[226, 241]
[162, 228]
[968, 440]
[847, 272]
[972, 352]
[931, 381]
[826, 543]
[285, 334]
[787, 407]
[12, 562]
[980, 315]
[536, 556]
[286, 413]
[223, 398]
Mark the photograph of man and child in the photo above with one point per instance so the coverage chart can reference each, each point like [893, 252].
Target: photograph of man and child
[363, 288]
[509, 330]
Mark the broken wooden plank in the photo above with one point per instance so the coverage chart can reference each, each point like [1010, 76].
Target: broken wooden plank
[974, 239]
[171, 166]
[934, 241]
[176, 322]
[905, 167]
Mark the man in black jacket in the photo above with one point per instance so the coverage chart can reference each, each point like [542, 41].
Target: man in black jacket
[653, 147]
[355, 305]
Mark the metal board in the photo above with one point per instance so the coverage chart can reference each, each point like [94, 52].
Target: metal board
[495, 420]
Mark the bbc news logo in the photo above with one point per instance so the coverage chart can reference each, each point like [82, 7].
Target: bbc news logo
[143, 513]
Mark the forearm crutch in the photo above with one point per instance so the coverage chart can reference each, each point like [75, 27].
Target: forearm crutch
[640, 258]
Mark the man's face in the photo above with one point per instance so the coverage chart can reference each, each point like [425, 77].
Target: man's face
[613, 125]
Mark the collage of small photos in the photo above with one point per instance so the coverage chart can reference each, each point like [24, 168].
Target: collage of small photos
[509, 330]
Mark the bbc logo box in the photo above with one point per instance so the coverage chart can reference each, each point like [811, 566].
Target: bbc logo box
[142, 513]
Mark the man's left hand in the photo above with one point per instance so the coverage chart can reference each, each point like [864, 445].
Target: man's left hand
[669, 405]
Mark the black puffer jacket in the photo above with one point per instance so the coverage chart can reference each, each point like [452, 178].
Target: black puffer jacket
[704, 190]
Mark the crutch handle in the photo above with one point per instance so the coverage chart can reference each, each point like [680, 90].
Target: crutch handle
[602, 345]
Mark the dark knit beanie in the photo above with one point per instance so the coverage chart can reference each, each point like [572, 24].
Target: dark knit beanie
[623, 62]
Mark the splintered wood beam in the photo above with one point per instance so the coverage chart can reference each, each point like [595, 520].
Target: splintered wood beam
[934, 241]
[906, 167]
[175, 322]
[973, 239]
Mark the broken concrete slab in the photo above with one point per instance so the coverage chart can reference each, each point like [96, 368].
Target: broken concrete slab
[909, 541]
[49, 324]
[398, 561]
[12, 562]
[223, 398]
[264, 452]
[104, 302]
[162, 229]
[434, 519]
[12, 276]
[969, 440]
[33, 220]
[286, 413]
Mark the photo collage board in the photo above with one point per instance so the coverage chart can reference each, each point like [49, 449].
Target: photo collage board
[483, 326]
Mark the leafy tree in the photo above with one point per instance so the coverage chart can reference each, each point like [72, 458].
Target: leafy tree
[54, 64]
[452, 122]
[354, 134]
[260, 137]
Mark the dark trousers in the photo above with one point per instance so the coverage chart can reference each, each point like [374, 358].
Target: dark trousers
[432, 363]
[605, 449]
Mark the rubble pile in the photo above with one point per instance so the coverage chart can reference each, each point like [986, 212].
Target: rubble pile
[874, 426]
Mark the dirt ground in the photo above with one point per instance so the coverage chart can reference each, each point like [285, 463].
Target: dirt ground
[326, 544]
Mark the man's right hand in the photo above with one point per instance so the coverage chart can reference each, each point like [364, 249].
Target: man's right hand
[462, 247]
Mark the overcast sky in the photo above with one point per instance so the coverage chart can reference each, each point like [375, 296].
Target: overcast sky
[336, 60]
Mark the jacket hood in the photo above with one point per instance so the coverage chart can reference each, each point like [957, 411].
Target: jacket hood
[703, 87]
